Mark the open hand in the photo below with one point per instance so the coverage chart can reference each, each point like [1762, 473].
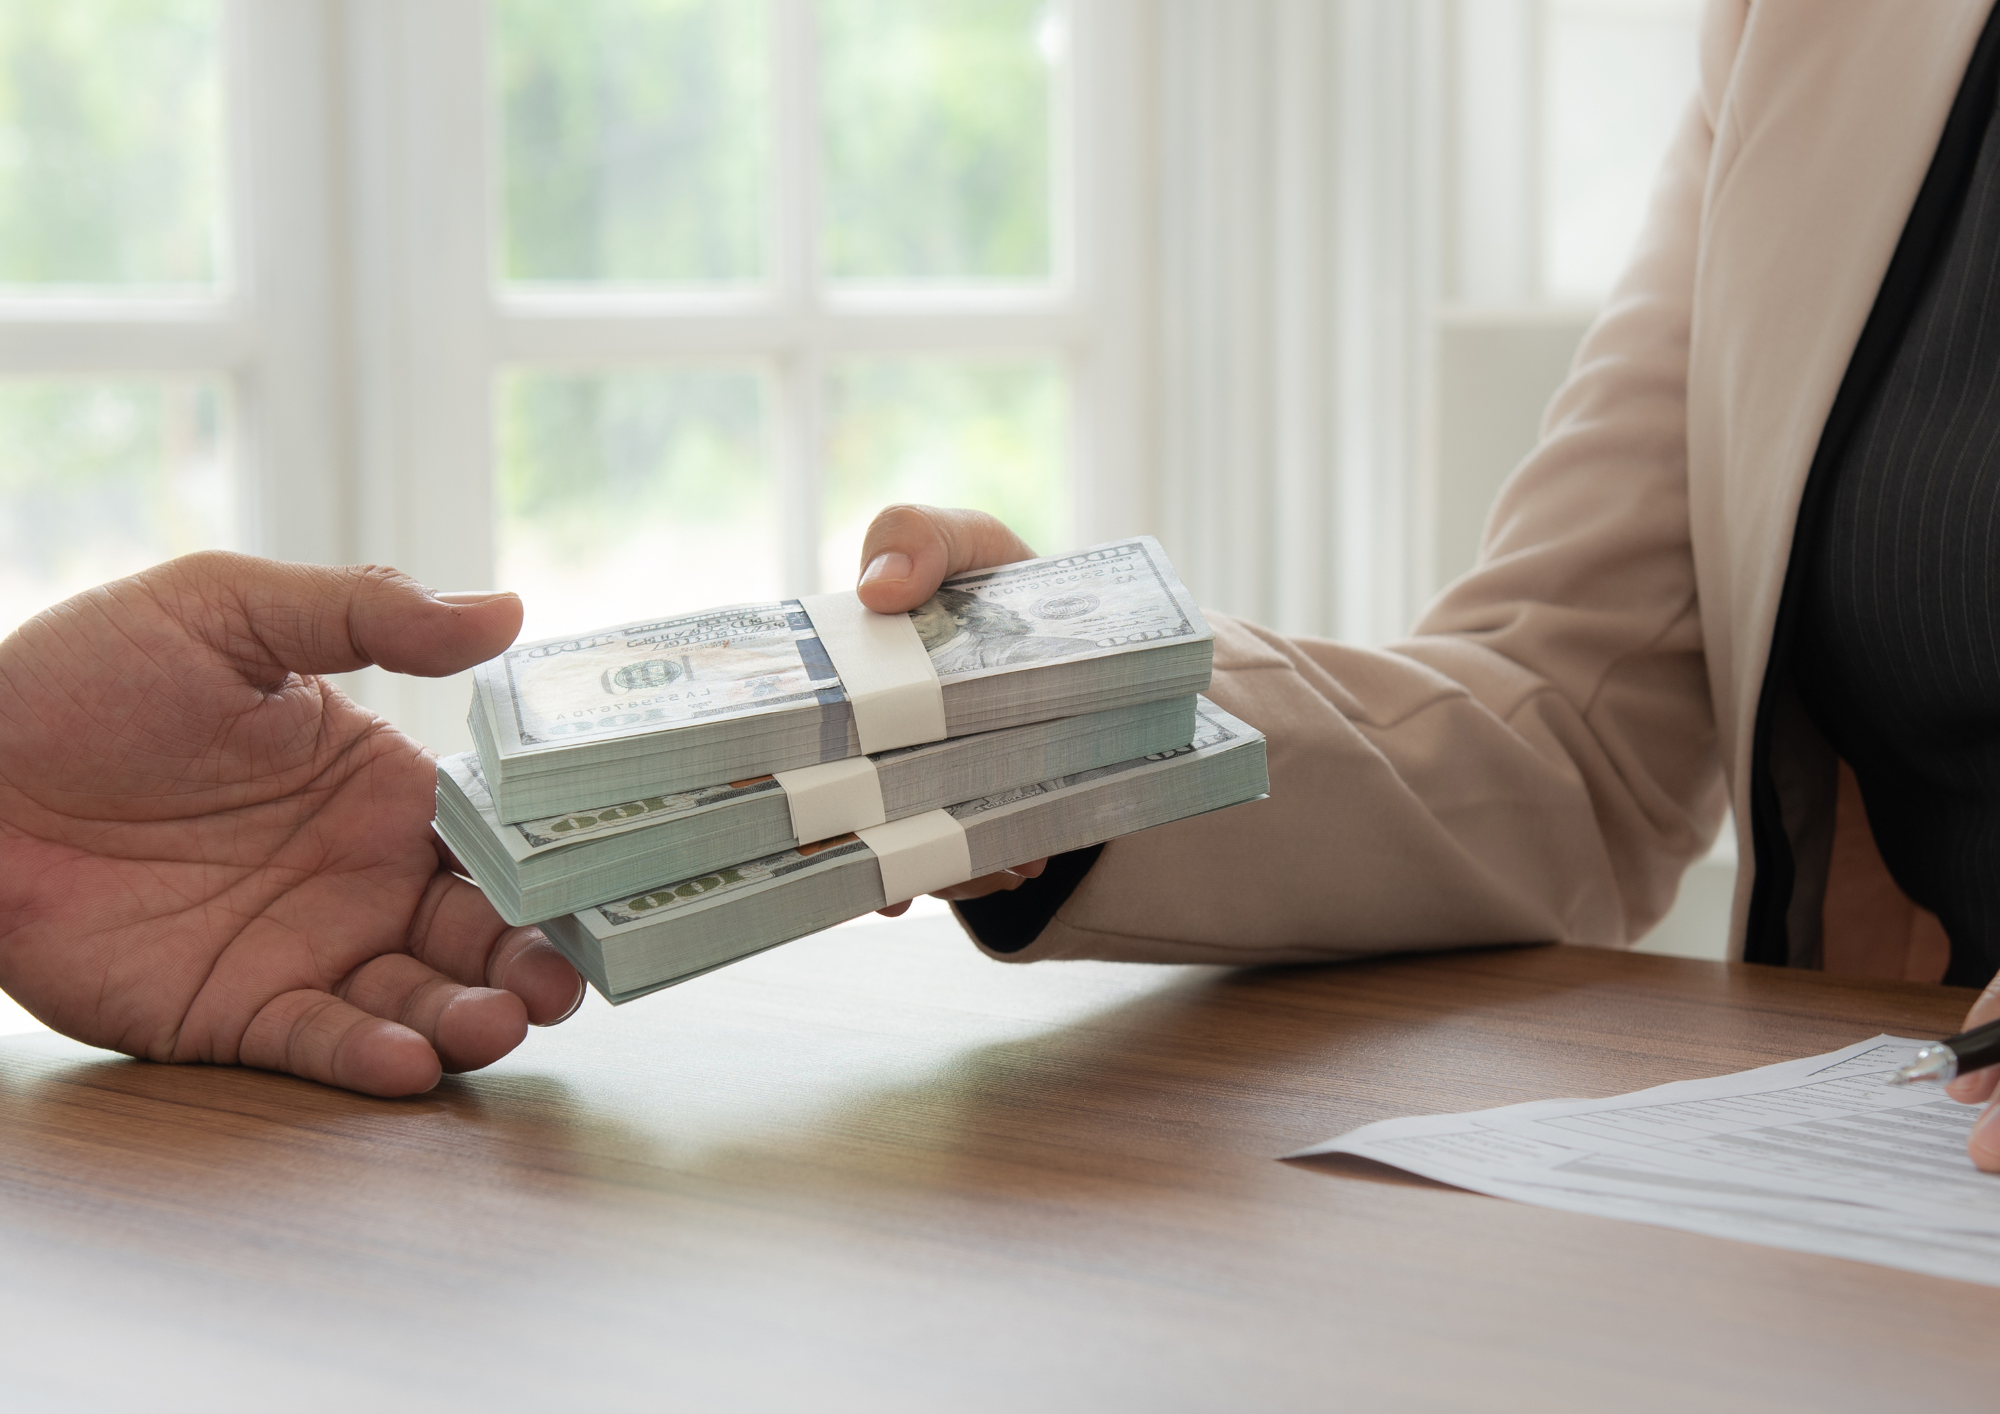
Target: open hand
[209, 854]
[909, 551]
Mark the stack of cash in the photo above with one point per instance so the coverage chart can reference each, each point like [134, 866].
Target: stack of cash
[669, 934]
[535, 869]
[649, 764]
[674, 704]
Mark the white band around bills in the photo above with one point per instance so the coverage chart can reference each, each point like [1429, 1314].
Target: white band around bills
[833, 798]
[884, 670]
[919, 854]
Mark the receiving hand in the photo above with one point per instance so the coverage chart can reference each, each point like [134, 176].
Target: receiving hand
[209, 854]
[908, 553]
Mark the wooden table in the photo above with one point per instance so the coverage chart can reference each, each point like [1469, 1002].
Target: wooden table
[875, 1171]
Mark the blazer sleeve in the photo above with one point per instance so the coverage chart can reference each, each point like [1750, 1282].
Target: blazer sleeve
[1539, 761]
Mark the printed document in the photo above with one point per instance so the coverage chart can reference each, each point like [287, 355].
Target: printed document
[1818, 1155]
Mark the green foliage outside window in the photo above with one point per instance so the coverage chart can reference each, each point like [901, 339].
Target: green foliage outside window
[587, 456]
[101, 477]
[634, 139]
[110, 142]
[936, 139]
[984, 434]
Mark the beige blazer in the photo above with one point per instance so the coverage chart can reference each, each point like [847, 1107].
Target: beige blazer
[1561, 735]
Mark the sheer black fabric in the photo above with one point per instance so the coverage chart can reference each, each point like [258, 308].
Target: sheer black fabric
[1897, 656]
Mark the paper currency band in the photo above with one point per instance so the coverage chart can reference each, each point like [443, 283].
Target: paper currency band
[834, 798]
[884, 670]
[919, 854]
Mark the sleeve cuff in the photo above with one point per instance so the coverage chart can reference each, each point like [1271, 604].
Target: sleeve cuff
[1008, 921]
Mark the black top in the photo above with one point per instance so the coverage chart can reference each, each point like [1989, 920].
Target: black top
[1896, 654]
[1008, 922]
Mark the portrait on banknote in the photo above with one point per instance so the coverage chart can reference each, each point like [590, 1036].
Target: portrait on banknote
[964, 633]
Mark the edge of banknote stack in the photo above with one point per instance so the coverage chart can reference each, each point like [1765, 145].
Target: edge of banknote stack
[669, 796]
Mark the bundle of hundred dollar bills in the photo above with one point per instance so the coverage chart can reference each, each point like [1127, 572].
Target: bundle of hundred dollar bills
[668, 796]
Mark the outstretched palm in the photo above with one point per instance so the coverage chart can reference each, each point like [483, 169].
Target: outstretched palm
[208, 854]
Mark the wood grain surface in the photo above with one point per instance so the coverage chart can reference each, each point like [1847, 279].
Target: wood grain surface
[874, 1170]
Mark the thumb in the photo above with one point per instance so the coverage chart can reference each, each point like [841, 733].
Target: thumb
[273, 617]
[910, 550]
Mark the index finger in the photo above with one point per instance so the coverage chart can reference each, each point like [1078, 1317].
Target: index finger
[911, 550]
[1979, 1085]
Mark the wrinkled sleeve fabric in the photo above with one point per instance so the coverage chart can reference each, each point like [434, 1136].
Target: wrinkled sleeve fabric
[1539, 761]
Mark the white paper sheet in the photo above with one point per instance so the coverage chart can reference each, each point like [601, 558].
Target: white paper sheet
[1817, 1155]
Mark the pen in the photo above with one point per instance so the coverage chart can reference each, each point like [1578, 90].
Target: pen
[1945, 1060]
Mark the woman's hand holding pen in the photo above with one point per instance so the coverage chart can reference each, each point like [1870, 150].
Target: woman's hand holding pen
[1977, 1087]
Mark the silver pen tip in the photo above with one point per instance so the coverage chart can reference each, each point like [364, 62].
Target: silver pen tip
[1931, 1063]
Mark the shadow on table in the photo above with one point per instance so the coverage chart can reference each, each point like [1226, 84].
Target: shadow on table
[1220, 1072]
[1203, 1080]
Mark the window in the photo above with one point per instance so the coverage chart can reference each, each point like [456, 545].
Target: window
[627, 304]
[842, 229]
[103, 475]
[113, 215]
[631, 304]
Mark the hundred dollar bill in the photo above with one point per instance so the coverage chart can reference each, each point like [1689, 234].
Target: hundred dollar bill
[676, 703]
[676, 931]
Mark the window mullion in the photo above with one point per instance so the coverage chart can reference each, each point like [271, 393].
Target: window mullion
[584, 336]
[52, 339]
[282, 280]
[420, 344]
[800, 372]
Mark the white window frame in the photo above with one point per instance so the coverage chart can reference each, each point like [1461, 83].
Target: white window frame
[1242, 309]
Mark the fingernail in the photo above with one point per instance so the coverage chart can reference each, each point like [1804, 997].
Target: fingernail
[473, 596]
[574, 1007]
[1972, 1089]
[890, 564]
